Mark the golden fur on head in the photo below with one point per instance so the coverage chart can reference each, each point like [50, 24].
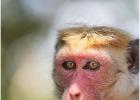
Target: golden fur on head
[94, 37]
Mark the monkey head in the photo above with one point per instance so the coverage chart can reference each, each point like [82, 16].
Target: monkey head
[91, 63]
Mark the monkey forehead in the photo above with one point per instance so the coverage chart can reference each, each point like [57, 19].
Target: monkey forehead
[82, 52]
[91, 37]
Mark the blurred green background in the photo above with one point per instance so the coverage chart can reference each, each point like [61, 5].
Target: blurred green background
[16, 23]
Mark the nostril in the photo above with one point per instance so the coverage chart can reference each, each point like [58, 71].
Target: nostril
[75, 96]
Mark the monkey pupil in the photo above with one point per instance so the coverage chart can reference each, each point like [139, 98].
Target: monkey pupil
[69, 65]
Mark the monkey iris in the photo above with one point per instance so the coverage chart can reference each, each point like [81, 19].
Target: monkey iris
[69, 65]
[92, 65]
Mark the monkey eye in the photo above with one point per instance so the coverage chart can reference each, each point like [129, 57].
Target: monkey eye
[69, 65]
[92, 65]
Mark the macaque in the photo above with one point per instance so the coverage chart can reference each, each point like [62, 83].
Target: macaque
[96, 63]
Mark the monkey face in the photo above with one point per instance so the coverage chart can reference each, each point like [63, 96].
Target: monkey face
[84, 74]
[96, 63]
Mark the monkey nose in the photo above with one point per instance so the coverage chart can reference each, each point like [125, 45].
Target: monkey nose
[75, 93]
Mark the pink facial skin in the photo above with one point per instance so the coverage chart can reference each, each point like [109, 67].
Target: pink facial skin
[84, 84]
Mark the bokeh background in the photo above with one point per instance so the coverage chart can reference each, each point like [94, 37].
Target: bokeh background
[29, 31]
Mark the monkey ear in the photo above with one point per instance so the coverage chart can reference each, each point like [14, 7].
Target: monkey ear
[133, 56]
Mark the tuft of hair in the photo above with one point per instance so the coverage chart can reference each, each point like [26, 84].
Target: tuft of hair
[90, 37]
